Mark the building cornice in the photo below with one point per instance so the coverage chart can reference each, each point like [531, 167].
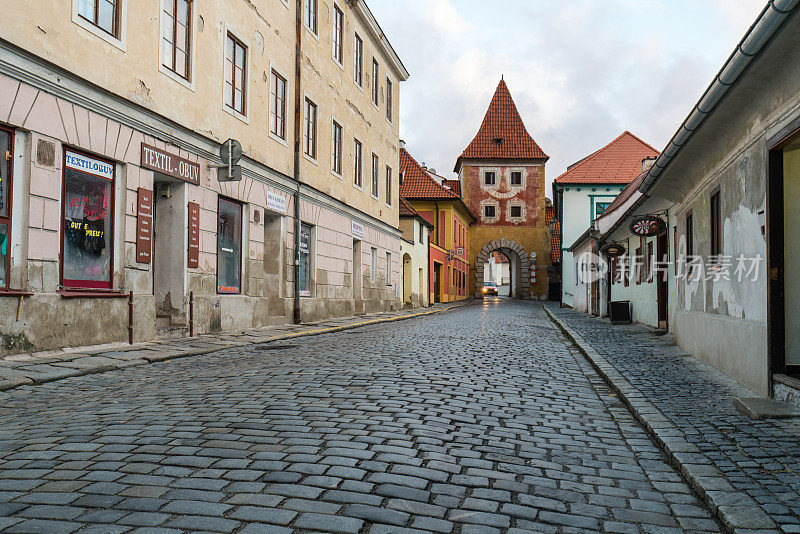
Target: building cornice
[366, 17]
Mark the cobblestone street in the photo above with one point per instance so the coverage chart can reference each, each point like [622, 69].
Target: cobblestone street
[481, 419]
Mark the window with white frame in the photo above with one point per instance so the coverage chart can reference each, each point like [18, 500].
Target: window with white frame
[489, 178]
[388, 99]
[358, 61]
[338, 34]
[277, 105]
[358, 163]
[516, 177]
[235, 74]
[102, 13]
[388, 186]
[388, 268]
[306, 255]
[310, 130]
[373, 271]
[311, 15]
[176, 36]
[375, 165]
[489, 212]
[336, 148]
[375, 74]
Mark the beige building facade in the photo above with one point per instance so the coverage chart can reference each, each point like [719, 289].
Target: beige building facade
[112, 209]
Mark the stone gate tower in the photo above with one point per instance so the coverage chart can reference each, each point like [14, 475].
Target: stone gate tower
[502, 182]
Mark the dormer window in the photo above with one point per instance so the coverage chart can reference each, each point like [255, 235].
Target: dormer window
[497, 140]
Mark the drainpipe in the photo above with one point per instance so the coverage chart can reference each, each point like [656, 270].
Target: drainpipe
[770, 20]
[297, 119]
[429, 270]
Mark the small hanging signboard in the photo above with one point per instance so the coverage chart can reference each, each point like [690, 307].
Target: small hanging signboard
[613, 250]
[648, 225]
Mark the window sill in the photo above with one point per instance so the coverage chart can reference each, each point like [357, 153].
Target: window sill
[91, 293]
[14, 293]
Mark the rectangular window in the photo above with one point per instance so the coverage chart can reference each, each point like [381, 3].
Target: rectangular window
[88, 204]
[102, 13]
[640, 265]
[715, 226]
[488, 211]
[6, 170]
[175, 35]
[336, 148]
[358, 59]
[373, 264]
[489, 178]
[600, 208]
[311, 15]
[421, 232]
[277, 105]
[516, 178]
[358, 163]
[374, 175]
[235, 74]
[375, 73]
[626, 269]
[516, 211]
[389, 99]
[388, 186]
[229, 246]
[310, 131]
[305, 260]
[338, 34]
[689, 236]
[388, 268]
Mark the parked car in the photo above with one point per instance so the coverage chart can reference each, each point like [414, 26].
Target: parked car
[489, 288]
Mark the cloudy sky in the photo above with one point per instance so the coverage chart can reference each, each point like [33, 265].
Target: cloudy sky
[580, 71]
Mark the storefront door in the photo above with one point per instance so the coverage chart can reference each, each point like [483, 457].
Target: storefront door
[169, 254]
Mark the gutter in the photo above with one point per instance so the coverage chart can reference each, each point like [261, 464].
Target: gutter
[763, 29]
[296, 316]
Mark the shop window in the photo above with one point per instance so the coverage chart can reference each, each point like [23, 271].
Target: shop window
[102, 13]
[235, 74]
[87, 241]
[306, 244]
[229, 246]
[648, 277]
[277, 106]
[358, 61]
[336, 148]
[176, 36]
[6, 169]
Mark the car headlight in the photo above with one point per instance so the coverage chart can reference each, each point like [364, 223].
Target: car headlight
[485, 290]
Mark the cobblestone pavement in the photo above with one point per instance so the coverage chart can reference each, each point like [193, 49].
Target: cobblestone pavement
[760, 459]
[480, 420]
[38, 368]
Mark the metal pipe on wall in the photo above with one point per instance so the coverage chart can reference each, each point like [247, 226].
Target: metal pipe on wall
[297, 319]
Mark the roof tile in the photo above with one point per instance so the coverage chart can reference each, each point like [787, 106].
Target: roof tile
[619, 162]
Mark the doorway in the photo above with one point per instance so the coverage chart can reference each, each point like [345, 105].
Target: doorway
[170, 214]
[662, 284]
[408, 289]
[437, 282]
[357, 274]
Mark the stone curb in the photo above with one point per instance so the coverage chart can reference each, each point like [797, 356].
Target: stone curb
[69, 372]
[737, 511]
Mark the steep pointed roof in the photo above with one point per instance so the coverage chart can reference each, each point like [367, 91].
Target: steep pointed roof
[418, 183]
[503, 134]
[619, 162]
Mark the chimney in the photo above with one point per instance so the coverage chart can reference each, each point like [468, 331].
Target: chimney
[424, 166]
[647, 163]
[402, 144]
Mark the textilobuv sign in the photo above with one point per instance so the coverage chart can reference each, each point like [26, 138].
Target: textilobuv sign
[158, 160]
[193, 254]
[144, 225]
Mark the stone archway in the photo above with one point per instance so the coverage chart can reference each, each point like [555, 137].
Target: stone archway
[521, 283]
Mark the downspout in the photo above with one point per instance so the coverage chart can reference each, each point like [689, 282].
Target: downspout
[430, 303]
[762, 30]
[297, 118]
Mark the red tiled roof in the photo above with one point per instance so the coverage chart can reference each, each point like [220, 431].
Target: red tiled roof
[503, 134]
[454, 185]
[555, 234]
[619, 162]
[417, 183]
